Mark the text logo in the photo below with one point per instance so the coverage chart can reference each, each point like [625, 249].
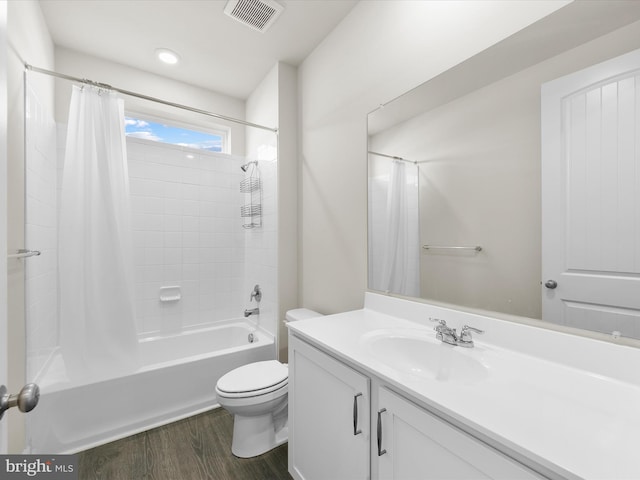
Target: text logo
[58, 467]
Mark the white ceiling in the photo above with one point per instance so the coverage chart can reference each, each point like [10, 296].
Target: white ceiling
[217, 52]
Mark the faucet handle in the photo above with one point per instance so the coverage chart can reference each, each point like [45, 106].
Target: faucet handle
[442, 323]
[256, 293]
[441, 328]
[467, 328]
[466, 339]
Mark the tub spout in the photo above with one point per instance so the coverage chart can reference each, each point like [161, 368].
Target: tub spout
[251, 311]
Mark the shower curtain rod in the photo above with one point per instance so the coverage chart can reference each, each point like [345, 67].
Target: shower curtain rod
[393, 157]
[145, 97]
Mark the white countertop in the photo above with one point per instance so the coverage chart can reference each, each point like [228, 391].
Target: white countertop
[569, 421]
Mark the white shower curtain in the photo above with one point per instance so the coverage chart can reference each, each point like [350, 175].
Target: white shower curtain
[400, 264]
[97, 317]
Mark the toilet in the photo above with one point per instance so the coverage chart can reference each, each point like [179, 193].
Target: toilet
[256, 394]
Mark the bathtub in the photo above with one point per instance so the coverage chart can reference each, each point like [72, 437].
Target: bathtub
[177, 379]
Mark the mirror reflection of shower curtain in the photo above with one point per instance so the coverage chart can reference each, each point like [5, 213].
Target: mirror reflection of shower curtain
[400, 265]
[97, 314]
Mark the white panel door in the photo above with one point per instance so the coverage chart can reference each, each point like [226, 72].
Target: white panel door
[591, 198]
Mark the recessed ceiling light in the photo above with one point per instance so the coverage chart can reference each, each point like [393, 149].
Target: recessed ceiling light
[167, 56]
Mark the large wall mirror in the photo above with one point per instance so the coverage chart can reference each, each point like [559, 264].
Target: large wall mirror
[457, 213]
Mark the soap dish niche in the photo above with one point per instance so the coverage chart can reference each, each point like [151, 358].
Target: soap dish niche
[170, 293]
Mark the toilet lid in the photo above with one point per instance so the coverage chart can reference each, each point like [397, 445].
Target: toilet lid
[256, 376]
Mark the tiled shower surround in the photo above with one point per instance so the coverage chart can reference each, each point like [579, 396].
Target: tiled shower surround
[187, 233]
[41, 219]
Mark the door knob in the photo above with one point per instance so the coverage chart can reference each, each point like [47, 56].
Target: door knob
[26, 400]
[551, 284]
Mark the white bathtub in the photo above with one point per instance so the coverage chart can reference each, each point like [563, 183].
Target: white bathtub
[177, 380]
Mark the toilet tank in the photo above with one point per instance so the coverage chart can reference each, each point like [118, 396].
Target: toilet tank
[300, 314]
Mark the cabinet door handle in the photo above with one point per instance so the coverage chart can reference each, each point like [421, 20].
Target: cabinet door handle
[380, 450]
[356, 430]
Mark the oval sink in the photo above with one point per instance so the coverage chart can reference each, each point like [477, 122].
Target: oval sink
[417, 352]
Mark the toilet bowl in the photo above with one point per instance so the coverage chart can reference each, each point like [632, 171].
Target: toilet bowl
[256, 395]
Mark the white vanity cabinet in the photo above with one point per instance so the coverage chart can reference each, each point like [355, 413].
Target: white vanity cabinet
[520, 404]
[333, 435]
[328, 417]
[412, 443]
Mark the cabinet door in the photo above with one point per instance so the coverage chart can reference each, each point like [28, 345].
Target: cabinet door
[328, 417]
[414, 444]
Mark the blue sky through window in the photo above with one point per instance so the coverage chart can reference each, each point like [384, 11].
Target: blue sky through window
[159, 132]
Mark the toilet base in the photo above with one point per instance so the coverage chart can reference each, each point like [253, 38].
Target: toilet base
[253, 436]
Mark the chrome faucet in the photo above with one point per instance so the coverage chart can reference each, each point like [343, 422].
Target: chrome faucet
[466, 339]
[444, 333]
[449, 335]
[256, 293]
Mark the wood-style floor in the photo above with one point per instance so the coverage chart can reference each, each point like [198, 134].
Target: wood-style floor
[196, 448]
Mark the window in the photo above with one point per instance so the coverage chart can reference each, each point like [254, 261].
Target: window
[174, 135]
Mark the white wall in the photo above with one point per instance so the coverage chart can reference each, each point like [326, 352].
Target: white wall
[272, 248]
[288, 194]
[85, 66]
[380, 50]
[29, 42]
[3, 211]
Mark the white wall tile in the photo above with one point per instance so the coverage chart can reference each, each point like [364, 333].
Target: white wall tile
[187, 231]
[174, 239]
[41, 217]
[188, 210]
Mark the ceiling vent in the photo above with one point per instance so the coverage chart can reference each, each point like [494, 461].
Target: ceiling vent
[257, 14]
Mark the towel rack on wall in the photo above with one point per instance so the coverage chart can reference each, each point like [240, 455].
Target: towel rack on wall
[477, 248]
[24, 253]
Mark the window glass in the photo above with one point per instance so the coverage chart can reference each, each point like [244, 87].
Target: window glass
[164, 133]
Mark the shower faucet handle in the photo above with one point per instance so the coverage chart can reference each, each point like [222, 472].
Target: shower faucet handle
[257, 294]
